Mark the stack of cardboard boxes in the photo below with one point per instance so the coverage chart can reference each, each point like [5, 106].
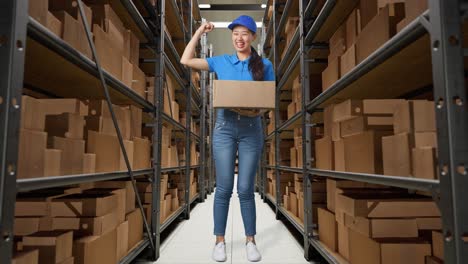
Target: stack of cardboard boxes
[78, 225]
[293, 197]
[171, 107]
[68, 136]
[116, 46]
[289, 30]
[296, 104]
[392, 137]
[284, 152]
[296, 151]
[370, 25]
[369, 225]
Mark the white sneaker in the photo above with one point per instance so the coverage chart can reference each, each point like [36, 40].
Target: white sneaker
[253, 255]
[219, 252]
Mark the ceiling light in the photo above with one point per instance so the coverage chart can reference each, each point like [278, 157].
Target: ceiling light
[263, 5]
[204, 6]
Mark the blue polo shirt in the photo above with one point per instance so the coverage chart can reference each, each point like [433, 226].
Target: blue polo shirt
[229, 67]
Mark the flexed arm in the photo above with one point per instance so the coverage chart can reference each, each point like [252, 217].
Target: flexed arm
[187, 58]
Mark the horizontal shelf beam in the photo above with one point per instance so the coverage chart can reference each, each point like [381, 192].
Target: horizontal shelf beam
[290, 121]
[290, 169]
[24, 185]
[290, 50]
[324, 252]
[293, 221]
[135, 252]
[395, 181]
[139, 20]
[321, 18]
[289, 70]
[284, 17]
[194, 198]
[171, 218]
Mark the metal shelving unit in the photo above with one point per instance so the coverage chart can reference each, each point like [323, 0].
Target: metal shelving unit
[17, 28]
[435, 36]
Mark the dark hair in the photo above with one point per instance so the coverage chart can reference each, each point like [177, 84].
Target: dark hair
[256, 66]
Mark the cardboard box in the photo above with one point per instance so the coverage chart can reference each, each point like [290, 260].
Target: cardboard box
[424, 163]
[353, 28]
[142, 153]
[348, 60]
[73, 32]
[109, 157]
[300, 209]
[139, 80]
[336, 131]
[136, 119]
[346, 110]
[135, 228]
[83, 205]
[414, 8]
[29, 225]
[293, 203]
[293, 154]
[397, 155]
[32, 113]
[425, 139]
[54, 246]
[324, 153]
[361, 124]
[89, 163]
[129, 192]
[61, 106]
[331, 74]
[429, 223]
[368, 9]
[175, 204]
[26, 257]
[339, 156]
[38, 10]
[385, 206]
[134, 47]
[54, 24]
[380, 106]
[415, 116]
[328, 229]
[299, 157]
[383, 228]
[110, 55]
[437, 244]
[364, 250]
[32, 207]
[286, 203]
[291, 109]
[175, 111]
[379, 30]
[70, 260]
[363, 152]
[333, 188]
[122, 240]
[328, 119]
[65, 125]
[90, 226]
[337, 43]
[127, 74]
[72, 154]
[72, 9]
[52, 161]
[96, 249]
[244, 94]
[31, 160]
[343, 240]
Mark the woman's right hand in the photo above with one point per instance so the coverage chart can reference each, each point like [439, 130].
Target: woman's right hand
[206, 27]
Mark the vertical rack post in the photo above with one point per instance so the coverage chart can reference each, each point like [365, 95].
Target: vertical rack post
[450, 97]
[277, 117]
[306, 133]
[12, 54]
[157, 129]
[188, 138]
[203, 110]
[211, 121]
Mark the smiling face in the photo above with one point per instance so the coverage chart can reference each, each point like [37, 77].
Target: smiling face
[242, 39]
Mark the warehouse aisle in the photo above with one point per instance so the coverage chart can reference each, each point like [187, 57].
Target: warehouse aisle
[192, 241]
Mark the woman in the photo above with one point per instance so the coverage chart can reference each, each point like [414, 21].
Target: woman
[235, 130]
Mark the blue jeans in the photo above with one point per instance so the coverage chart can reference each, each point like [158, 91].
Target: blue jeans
[233, 133]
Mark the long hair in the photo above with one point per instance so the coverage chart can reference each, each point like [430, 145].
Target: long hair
[256, 66]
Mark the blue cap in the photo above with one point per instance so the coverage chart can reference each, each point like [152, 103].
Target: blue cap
[245, 21]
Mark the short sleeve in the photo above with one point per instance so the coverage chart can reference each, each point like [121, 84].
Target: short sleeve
[212, 63]
[269, 72]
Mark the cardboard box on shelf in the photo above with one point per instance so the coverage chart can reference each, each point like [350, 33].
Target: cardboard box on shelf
[291, 24]
[242, 94]
[414, 116]
[32, 207]
[70, 260]
[135, 227]
[61, 106]
[337, 43]
[379, 29]
[380, 106]
[346, 110]
[134, 46]
[385, 206]
[293, 203]
[52, 161]
[27, 225]
[38, 10]
[437, 244]
[300, 209]
[139, 81]
[291, 109]
[425, 139]
[89, 163]
[129, 192]
[324, 153]
[433, 260]
[32, 114]
[382, 228]
[109, 157]
[142, 153]
[414, 8]
[174, 204]
[429, 223]
[122, 240]
[363, 152]
[334, 187]
[353, 28]
[339, 156]
[73, 32]
[87, 225]
[331, 74]
[365, 250]
[328, 229]
[286, 203]
[54, 246]
[26, 257]
[397, 155]
[336, 131]
[65, 125]
[72, 154]
[127, 74]
[96, 249]
[424, 163]
[299, 157]
[110, 55]
[168, 200]
[293, 154]
[328, 119]
[31, 160]
[368, 9]
[343, 240]
[348, 60]
[54, 24]
[83, 205]
[72, 9]
[136, 120]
